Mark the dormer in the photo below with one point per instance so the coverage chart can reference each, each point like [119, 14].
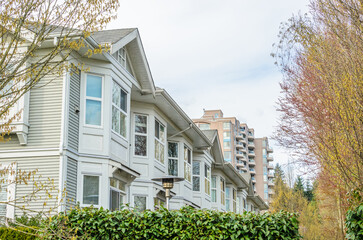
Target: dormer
[123, 58]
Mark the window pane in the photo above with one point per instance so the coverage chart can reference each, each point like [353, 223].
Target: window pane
[214, 184]
[115, 120]
[140, 145]
[157, 129]
[214, 195]
[227, 192]
[93, 112]
[140, 203]
[173, 149]
[173, 167]
[196, 183]
[90, 190]
[196, 168]
[115, 200]
[123, 100]
[122, 124]
[162, 155]
[140, 124]
[227, 205]
[162, 133]
[94, 86]
[157, 150]
[204, 126]
[226, 125]
[116, 98]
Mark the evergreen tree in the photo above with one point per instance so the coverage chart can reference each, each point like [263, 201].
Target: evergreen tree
[299, 184]
[308, 193]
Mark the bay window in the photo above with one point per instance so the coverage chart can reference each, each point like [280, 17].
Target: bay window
[187, 164]
[173, 159]
[159, 141]
[119, 109]
[214, 189]
[93, 100]
[140, 135]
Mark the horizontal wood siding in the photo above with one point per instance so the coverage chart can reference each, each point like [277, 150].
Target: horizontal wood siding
[47, 173]
[71, 183]
[74, 101]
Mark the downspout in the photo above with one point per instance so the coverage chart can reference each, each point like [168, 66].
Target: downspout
[190, 126]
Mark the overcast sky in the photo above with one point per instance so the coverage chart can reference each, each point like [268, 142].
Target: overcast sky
[215, 54]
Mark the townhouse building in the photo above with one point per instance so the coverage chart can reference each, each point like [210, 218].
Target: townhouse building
[103, 134]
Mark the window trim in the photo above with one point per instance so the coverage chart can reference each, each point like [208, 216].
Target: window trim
[174, 158]
[94, 99]
[223, 192]
[141, 134]
[155, 138]
[140, 195]
[206, 179]
[185, 161]
[99, 189]
[122, 111]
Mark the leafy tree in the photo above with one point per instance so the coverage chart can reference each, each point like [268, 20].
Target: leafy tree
[320, 56]
[27, 27]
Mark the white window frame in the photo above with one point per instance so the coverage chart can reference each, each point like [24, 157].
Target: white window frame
[141, 134]
[120, 110]
[188, 166]
[228, 198]
[174, 158]
[213, 188]
[197, 176]
[223, 190]
[118, 190]
[99, 189]
[207, 179]
[157, 139]
[94, 99]
[234, 200]
[140, 195]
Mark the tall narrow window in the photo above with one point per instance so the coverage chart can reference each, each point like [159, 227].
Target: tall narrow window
[159, 141]
[196, 176]
[173, 158]
[207, 179]
[119, 109]
[91, 187]
[187, 164]
[234, 198]
[140, 135]
[214, 189]
[117, 193]
[93, 100]
[223, 194]
[228, 199]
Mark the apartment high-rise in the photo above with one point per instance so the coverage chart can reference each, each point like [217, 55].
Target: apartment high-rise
[239, 147]
[264, 169]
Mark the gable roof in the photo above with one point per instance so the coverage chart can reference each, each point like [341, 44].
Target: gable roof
[111, 36]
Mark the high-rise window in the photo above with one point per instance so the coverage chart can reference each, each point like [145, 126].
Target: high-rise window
[226, 144]
[119, 109]
[227, 156]
[196, 176]
[227, 135]
[187, 164]
[93, 100]
[214, 189]
[227, 125]
[140, 135]
[207, 174]
[204, 126]
[173, 158]
[159, 141]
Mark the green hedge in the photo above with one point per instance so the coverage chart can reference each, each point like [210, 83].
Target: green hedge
[187, 223]
[19, 234]
[354, 223]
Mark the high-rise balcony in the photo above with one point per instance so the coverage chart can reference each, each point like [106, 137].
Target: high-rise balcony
[251, 162]
[269, 150]
[270, 158]
[240, 155]
[271, 183]
[239, 136]
[271, 191]
[270, 174]
[252, 171]
[251, 153]
[239, 145]
[251, 144]
[251, 136]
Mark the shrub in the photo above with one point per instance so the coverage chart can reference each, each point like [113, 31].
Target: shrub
[187, 223]
[354, 223]
[22, 233]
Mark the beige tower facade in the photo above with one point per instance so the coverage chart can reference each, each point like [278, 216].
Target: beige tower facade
[264, 169]
[240, 147]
